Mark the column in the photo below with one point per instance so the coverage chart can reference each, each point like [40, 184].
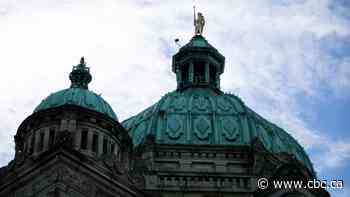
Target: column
[37, 139]
[64, 125]
[72, 126]
[89, 140]
[100, 144]
[29, 143]
[217, 77]
[77, 139]
[190, 72]
[207, 72]
[178, 77]
[116, 148]
[46, 139]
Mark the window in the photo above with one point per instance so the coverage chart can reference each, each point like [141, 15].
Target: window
[94, 142]
[184, 73]
[112, 147]
[83, 143]
[52, 135]
[105, 145]
[32, 142]
[41, 141]
[212, 74]
[199, 72]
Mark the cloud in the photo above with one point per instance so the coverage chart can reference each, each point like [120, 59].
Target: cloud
[338, 151]
[276, 52]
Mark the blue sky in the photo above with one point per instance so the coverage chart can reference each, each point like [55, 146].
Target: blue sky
[288, 60]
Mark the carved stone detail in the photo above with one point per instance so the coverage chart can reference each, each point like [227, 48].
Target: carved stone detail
[201, 104]
[174, 128]
[179, 103]
[230, 129]
[223, 104]
[202, 130]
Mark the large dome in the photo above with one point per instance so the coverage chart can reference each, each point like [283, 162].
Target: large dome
[78, 94]
[204, 116]
[198, 112]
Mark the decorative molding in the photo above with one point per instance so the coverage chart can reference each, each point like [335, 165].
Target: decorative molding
[174, 128]
[201, 104]
[230, 129]
[223, 104]
[179, 103]
[202, 128]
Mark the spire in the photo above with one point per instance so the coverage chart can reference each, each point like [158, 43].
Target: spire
[80, 75]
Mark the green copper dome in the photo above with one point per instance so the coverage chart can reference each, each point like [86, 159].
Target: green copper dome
[198, 112]
[78, 94]
[204, 116]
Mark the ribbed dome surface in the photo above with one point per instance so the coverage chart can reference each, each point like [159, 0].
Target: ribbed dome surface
[204, 116]
[80, 97]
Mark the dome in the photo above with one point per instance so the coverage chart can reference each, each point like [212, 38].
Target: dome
[198, 112]
[79, 97]
[204, 116]
[78, 94]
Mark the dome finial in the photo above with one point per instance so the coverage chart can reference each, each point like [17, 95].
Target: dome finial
[80, 75]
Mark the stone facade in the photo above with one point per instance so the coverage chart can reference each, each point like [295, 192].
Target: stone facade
[212, 170]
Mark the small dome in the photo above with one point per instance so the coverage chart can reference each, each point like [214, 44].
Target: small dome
[78, 94]
[205, 116]
[79, 97]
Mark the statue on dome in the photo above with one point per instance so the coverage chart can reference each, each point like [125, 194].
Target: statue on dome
[198, 22]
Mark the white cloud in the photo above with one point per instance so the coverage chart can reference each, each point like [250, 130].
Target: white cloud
[272, 55]
[338, 153]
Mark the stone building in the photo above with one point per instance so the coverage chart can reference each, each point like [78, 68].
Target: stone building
[195, 141]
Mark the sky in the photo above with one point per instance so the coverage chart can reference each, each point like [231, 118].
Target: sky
[288, 60]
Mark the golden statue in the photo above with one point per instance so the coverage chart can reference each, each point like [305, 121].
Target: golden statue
[198, 22]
